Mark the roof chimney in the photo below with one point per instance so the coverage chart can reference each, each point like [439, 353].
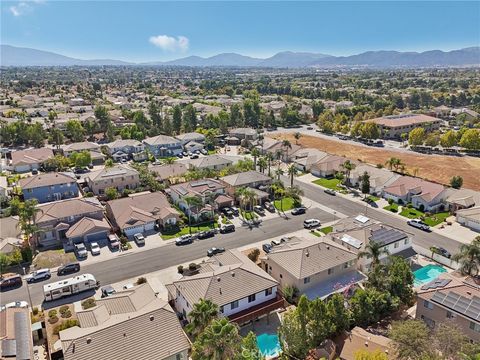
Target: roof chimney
[218, 278]
[366, 343]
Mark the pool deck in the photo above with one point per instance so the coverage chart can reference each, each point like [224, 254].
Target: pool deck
[268, 324]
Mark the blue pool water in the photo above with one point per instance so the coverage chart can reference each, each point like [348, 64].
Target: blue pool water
[427, 274]
[268, 344]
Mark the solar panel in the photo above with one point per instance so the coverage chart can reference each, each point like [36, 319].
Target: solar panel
[386, 236]
[352, 241]
[198, 183]
[460, 304]
[22, 335]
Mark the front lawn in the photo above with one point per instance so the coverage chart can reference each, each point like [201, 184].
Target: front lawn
[328, 183]
[411, 213]
[327, 230]
[249, 215]
[373, 198]
[393, 208]
[287, 203]
[436, 219]
[166, 235]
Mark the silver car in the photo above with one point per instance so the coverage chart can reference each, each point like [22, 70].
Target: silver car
[39, 275]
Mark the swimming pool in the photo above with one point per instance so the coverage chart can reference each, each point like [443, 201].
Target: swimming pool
[427, 274]
[268, 344]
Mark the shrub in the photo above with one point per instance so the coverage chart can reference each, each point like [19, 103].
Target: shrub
[123, 240]
[180, 269]
[379, 166]
[394, 210]
[290, 293]
[64, 308]
[53, 319]
[67, 314]
[254, 254]
[400, 202]
[65, 325]
[88, 303]
[409, 205]
[192, 266]
[89, 194]
[35, 311]
[141, 280]
[421, 207]
[52, 313]
[390, 201]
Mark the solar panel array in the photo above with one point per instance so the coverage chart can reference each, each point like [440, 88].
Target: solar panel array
[459, 303]
[386, 236]
[22, 335]
[352, 241]
[435, 284]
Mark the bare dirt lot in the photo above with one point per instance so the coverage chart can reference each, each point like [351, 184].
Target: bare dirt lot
[431, 167]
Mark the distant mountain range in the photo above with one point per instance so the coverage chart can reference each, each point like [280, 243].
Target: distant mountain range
[17, 56]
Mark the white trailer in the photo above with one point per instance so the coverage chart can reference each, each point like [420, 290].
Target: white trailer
[70, 286]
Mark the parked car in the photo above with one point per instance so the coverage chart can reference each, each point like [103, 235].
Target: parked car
[184, 239]
[81, 250]
[68, 269]
[267, 248]
[330, 192]
[139, 239]
[299, 210]
[370, 202]
[204, 152]
[227, 228]
[14, 304]
[280, 241]
[113, 242]
[235, 210]
[227, 212]
[206, 234]
[269, 206]
[309, 127]
[128, 286]
[95, 248]
[38, 275]
[419, 224]
[194, 156]
[214, 251]
[180, 156]
[34, 172]
[259, 210]
[107, 291]
[311, 223]
[441, 251]
[11, 282]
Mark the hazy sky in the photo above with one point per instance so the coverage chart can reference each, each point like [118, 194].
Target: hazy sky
[157, 30]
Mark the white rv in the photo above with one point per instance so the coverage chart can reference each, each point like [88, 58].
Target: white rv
[70, 286]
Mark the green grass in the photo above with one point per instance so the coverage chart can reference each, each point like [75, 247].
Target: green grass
[287, 203]
[211, 152]
[315, 233]
[411, 213]
[436, 219]
[185, 230]
[327, 230]
[392, 208]
[373, 198]
[249, 215]
[328, 183]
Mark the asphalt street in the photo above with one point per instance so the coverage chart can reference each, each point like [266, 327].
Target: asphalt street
[140, 263]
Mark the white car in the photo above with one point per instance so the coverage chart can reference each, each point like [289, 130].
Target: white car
[419, 224]
[95, 248]
[39, 275]
[311, 223]
[15, 304]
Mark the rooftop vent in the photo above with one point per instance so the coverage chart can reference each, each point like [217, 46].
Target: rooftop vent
[218, 278]
[307, 254]
[233, 274]
[89, 340]
[152, 318]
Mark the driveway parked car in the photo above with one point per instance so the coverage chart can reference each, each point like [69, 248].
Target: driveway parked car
[14, 304]
[113, 242]
[206, 234]
[442, 251]
[227, 228]
[419, 224]
[68, 269]
[330, 192]
[81, 251]
[259, 210]
[39, 275]
[311, 223]
[299, 210]
[267, 248]
[214, 251]
[139, 239]
[107, 291]
[269, 206]
[184, 240]
[95, 248]
[235, 210]
[227, 212]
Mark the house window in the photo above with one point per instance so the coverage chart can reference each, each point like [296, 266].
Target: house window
[221, 309]
[406, 241]
[428, 304]
[306, 280]
[251, 298]
[450, 315]
[330, 271]
[178, 357]
[475, 327]
[234, 304]
[396, 245]
[268, 292]
[281, 276]
[429, 322]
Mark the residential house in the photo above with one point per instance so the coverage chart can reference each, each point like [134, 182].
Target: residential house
[163, 146]
[449, 299]
[238, 286]
[457, 199]
[145, 325]
[469, 218]
[10, 234]
[193, 146]
[16, 334]
[276, 149]
[317, 268]
[94, 149]
[189, 137]
[356, 233]
[379, 178]
[125, 149]
[49, 187]
[393, 126]
[466, 112]
[424, 195]
[328, 166]
[304, 158]
[254, 180]
[120, 177]
[3, 188]
[138, 213]
[31, 159]
[244, 134]
[167, 172]
[54, 220]
[358, 339]
[211, 193]
[212, 162]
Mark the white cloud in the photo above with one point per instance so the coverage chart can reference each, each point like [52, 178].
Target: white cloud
[24, 7]
[170, 43]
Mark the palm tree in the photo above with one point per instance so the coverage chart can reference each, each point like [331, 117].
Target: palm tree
[279, 193]
[201, 316]
[297, 137]
[279, 172]
[269, 160]
[219, 341]
[373, 250]
[292, 171]
[191, 201]
[278, 154]
[255, 153]
[294, 192]
[262, 164]
[348, 166]
[287, 145]
[394, 163]
[469, 257]
[27, 215]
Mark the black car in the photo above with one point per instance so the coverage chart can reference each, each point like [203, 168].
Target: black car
[330, 192]
[68, 269]
[299, 210]
[227, 228]
[206, 234]
[11, 282]
[370, 202]
[227, 212]
[442, 251]
[267, 248]
[269, 206]
[215, 251]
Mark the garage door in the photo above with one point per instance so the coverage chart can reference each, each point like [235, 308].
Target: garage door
[100, 237]
[139, 229]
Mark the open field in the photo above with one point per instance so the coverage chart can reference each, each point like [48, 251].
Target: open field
[436, 168]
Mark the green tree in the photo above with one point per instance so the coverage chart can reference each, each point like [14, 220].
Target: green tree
[400, 280]
[155, 116]
[373, 250]
[347, 167]
[292, 336]
[448, 139]
[202, 314]
[365, 183]
[4, 262]
[255, 153]
[292, 171]
[471, 139]
[249, 348]
[177, 119]
[286, 145]
[370, 355]
[450, 341]
[111, 193]
[432, 139]
[189, 118]
[469, 257]
[411, 340]
[417, 136]
[56, 137]
[370, 130]
[219, 341]
[370, 305]
[81, 159]
[456, 182]
[103, 117]
[74, 130]
[193, 202]
[338, 314]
